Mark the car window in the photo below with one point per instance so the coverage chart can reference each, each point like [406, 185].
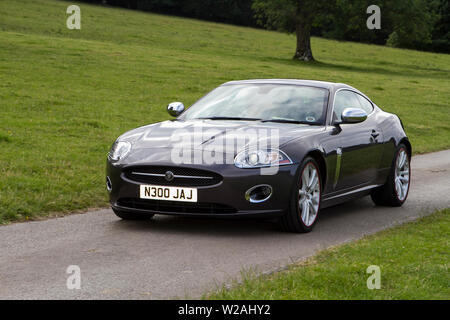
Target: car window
[365, 104]
[344, 99]
[263, 101]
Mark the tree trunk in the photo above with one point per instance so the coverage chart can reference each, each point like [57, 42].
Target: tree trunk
[303, 30]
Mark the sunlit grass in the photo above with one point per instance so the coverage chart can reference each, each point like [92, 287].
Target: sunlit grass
[413, 261]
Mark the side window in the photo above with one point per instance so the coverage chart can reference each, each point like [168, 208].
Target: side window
[344, 99]
[365, 104]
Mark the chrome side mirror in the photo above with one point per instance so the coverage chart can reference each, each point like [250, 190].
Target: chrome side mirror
[175, 109]
[353, 115]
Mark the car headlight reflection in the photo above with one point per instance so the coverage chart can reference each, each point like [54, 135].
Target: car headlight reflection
[261, 158]
[119, 150]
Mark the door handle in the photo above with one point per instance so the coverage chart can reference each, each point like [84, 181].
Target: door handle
[375, 134]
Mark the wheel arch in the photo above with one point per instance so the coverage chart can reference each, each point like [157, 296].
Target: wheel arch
[320, 159]
[406, 142]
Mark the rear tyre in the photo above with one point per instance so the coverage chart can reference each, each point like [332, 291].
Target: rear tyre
[305, 199]
[395, 191]
[132, 215]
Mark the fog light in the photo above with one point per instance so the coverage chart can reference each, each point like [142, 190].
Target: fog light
[108, 184]
[259, 193]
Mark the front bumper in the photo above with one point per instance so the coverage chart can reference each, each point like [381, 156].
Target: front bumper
[224, 199]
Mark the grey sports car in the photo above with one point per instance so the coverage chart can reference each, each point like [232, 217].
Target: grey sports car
[265, 148]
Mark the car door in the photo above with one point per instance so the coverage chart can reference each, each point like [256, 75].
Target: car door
[359, 143]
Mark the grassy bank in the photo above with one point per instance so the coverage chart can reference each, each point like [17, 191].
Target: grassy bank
[413, 259]
[65, 95]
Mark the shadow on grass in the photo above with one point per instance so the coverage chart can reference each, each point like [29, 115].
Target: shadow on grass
[401, 70]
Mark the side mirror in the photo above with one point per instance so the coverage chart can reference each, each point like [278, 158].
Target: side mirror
[353, 115]
[175, 109]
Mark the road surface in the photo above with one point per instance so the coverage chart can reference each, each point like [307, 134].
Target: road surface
[183, 257]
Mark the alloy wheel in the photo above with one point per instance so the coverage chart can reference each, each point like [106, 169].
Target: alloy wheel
[309, 194]
[402, 175]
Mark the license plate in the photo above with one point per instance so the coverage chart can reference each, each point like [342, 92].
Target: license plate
[168, 193]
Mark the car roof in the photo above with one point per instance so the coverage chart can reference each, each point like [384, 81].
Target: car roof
[311, 83]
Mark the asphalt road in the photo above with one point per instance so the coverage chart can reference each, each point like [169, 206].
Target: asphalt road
[180, 257]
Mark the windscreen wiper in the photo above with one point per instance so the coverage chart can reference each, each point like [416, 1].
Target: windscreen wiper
[229, 118]
[289, 121]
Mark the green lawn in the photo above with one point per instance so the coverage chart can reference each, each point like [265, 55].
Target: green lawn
[413, 259]
[65, 95]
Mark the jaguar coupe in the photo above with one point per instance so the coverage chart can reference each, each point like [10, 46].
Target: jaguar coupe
[278, 149]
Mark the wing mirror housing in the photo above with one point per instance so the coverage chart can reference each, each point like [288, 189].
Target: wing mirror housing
[353, 115]
[175, 109]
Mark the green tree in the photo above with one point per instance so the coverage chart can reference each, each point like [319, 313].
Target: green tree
[290, 15]
[441, 29]
[413, 22]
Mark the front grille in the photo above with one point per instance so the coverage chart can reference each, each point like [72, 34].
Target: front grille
[182, 176]
[175, 206]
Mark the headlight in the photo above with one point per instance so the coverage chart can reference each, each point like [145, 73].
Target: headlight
[119, 150]
[261, 158]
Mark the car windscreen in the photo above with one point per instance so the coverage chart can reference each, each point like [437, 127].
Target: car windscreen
[270, 102]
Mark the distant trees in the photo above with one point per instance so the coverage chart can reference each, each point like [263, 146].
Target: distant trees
[415, 24]
[227, 11]
[440, 36]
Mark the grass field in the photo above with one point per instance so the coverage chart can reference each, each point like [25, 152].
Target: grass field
[65, 95]
[413, 260]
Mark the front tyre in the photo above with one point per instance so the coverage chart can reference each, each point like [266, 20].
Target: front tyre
[132, 215]
[305, 199]
[395, 191]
